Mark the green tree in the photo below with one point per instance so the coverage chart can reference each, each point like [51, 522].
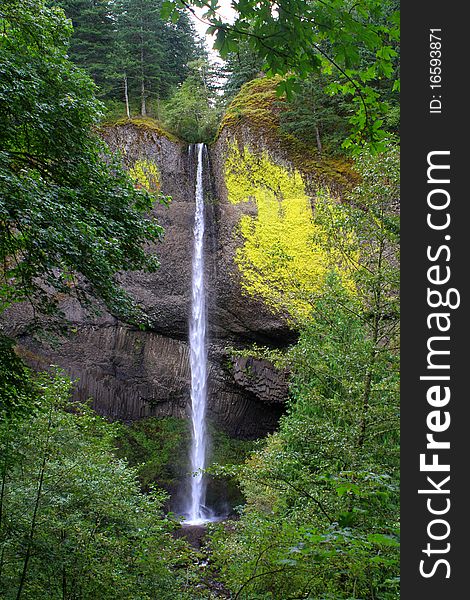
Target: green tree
[73, 523]
[151, 55]
[240, 66]
[131, 53]
[66, 206]
[16, 387]
[365, 231]
[191, 112]
[314, 114]
[93, 35]
[298, 37]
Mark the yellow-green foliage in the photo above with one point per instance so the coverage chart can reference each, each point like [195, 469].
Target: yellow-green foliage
[145, 174]
[283, 258]
[258, 106]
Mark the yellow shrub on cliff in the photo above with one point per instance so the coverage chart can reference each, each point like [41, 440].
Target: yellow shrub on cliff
[145, 174]
[283, 258]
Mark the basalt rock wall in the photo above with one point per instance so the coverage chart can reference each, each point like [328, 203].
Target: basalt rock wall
[131, 374]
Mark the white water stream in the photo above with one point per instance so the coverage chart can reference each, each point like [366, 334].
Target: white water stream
[197, 513]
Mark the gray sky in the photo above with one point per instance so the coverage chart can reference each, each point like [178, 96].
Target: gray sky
[225, 11]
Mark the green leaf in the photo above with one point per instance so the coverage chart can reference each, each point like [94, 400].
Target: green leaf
[167, 8]
[383, 540]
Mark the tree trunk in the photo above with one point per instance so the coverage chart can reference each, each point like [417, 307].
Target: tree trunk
[317, 132]
[365, 402]
[126, 97]
[36, 509]
[143, 105]
[64, 584]
[319, 146]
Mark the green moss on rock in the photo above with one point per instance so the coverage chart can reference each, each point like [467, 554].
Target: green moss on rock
[257, 104]
[145, 174]
[146, 123]
[259, 107]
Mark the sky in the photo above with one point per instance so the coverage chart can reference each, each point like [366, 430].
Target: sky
[226, 12]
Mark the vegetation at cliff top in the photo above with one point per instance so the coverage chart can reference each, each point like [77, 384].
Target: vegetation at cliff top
[148, 123]
[133, 55]
[356, 43]
[337, 64]
[258, 107]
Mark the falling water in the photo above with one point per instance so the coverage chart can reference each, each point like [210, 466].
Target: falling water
[197, 511]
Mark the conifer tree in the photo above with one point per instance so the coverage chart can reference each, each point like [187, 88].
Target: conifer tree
[240, 67]
[151, 54]
[130, 51]
[93, 36]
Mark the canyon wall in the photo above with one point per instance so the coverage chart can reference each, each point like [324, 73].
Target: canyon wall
[260, 189]
[131, 374]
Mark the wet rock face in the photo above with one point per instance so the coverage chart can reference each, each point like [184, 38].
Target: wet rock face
[261, 378]
[132, 374]
[166, 293]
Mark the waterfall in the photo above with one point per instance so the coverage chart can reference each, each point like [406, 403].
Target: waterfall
[197, 511]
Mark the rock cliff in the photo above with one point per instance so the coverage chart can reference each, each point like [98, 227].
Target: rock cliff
[257, 180]
[131, 374]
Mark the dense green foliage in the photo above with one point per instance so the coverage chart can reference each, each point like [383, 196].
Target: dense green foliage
[152, 55]
[146, 65]
[312, 113]
[132, 54]
[321, 519]
[80, 514]
[93, 36]
[356, 42]
[139, 60]
[191, 113]
[16, 388]
[241, 67]
[66, 206]
[73, 523]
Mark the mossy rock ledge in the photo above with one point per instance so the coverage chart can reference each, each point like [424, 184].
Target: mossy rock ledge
[253, 121]
[267, 182]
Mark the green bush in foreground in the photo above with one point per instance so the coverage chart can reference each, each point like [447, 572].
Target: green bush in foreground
[73, 523]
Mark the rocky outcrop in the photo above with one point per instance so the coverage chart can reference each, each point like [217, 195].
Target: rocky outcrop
[131, 374]
[165, 294]
[261, 378]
